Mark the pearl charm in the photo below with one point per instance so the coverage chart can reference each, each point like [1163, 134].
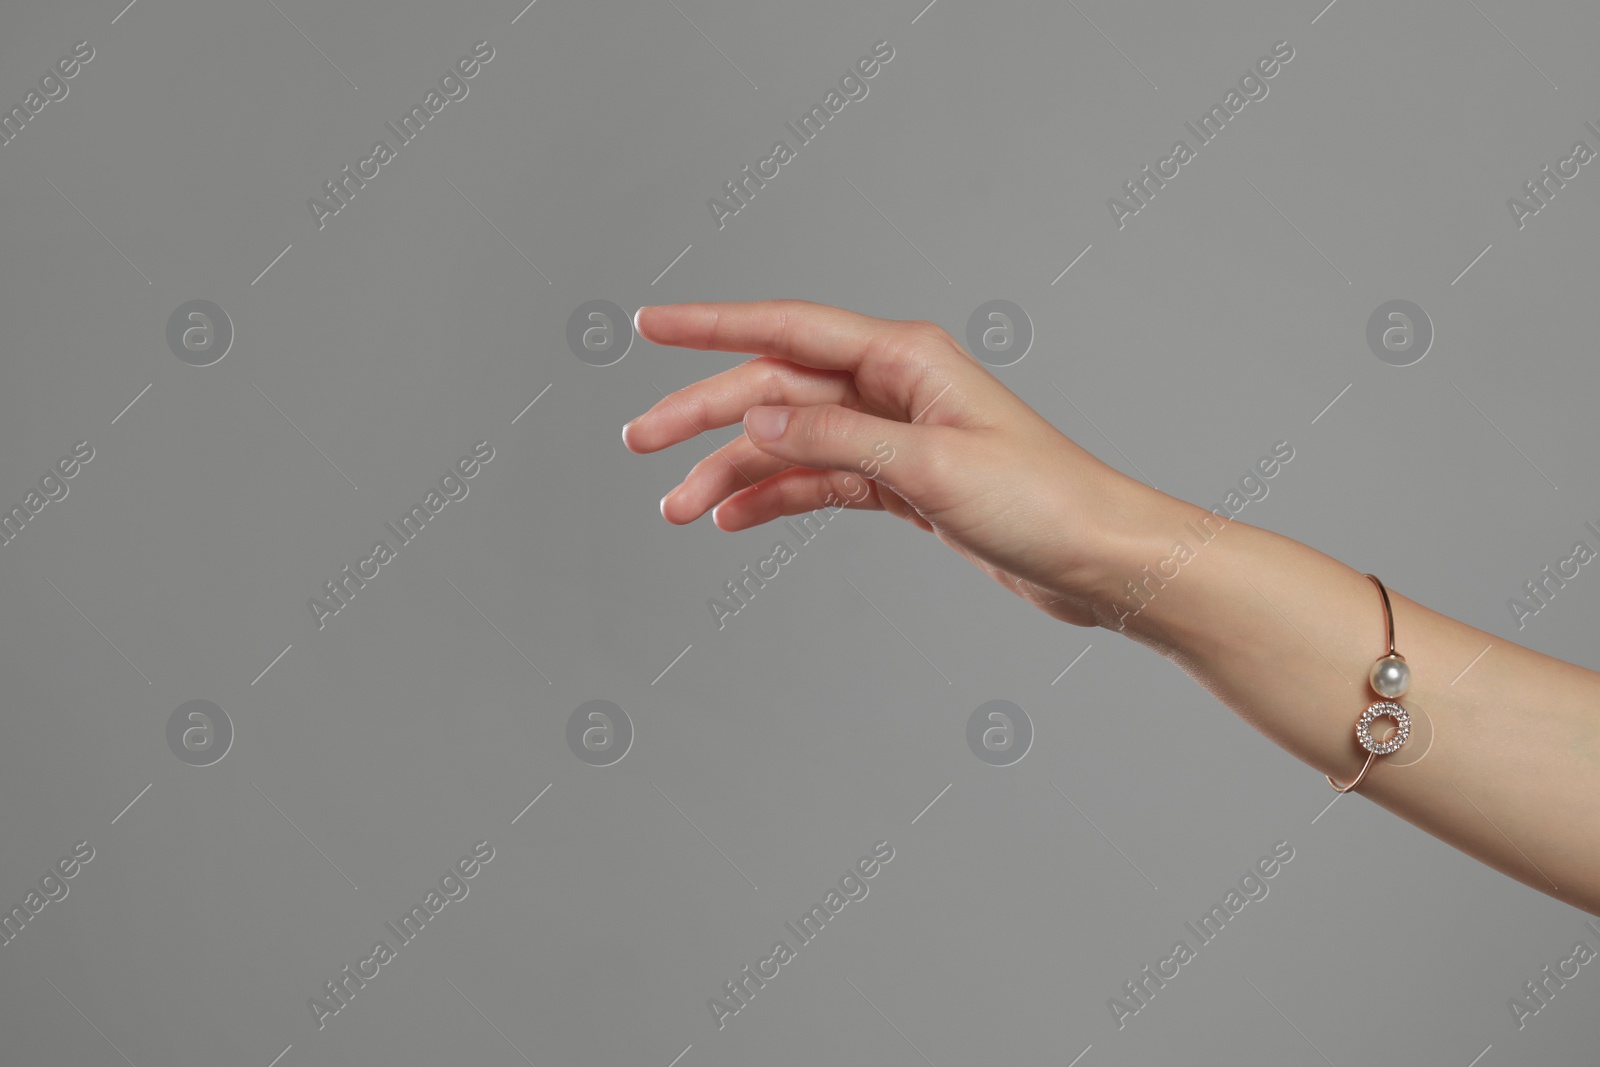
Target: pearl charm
[1390, 676]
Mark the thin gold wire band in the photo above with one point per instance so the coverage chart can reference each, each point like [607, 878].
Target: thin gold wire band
[1337, 788]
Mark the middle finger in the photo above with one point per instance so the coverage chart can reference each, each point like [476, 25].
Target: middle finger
[723, 398]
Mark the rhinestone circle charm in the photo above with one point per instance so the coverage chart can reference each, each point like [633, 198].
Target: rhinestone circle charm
[1380, 709]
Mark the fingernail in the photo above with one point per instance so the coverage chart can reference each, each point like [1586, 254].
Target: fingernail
[625, 431]
[664, 505]
[636, 317]
[766, 423]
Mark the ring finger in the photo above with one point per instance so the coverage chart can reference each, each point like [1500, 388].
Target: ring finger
[736, 465]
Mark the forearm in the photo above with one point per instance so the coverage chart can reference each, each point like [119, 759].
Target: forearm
[1284, 634]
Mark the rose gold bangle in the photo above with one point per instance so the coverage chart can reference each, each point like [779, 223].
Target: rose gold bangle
[1389, 677]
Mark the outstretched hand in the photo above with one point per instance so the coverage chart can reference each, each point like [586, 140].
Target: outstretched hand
[841, 408]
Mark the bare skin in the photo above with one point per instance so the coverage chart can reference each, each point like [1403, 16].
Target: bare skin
[1274, 629]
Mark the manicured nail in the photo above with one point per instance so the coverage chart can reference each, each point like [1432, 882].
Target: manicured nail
[636, 318]
[625, 431]
[766, 423]
[664, 505]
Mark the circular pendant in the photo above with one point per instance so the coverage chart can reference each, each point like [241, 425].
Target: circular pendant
[1381, 709]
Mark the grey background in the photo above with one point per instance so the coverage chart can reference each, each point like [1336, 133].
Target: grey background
[831, 712]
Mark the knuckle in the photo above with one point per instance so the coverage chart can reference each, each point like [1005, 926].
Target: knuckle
[922, 331]
[921, 343]
[718, 330]
[828, 425]
[789, 312]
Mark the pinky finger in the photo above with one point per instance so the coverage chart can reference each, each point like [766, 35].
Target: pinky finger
[792, 492]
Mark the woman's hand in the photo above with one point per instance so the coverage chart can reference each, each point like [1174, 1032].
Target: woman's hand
[846, 409]
[1275, 629]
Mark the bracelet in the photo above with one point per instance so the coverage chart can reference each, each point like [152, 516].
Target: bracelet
[1389, 677]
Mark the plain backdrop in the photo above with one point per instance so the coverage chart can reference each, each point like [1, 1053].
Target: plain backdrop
[767, 756]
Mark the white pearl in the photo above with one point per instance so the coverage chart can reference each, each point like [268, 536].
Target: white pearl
[1390, 676]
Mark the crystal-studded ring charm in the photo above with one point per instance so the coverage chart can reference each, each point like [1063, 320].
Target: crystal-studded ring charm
[1383, 709]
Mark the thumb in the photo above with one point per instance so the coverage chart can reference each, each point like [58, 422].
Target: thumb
[832, 437]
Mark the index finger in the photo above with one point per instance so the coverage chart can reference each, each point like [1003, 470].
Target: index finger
[802, 331]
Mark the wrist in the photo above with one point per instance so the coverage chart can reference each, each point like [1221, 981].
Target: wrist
[1108, 544]
[1154, 539]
